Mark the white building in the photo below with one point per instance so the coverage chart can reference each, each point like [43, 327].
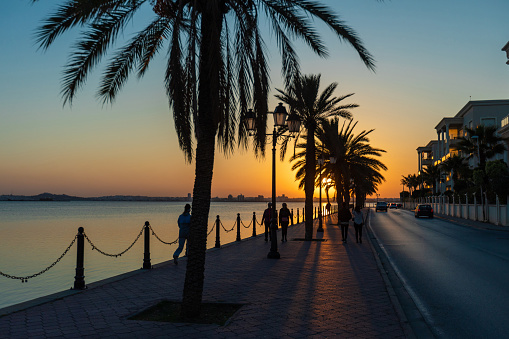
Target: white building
[450, 129]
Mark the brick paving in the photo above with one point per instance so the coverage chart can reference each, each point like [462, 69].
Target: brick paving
[318, 289]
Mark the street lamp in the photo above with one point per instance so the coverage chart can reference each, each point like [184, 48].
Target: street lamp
[293, 123]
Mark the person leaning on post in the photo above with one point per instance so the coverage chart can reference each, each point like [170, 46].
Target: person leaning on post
[184, 221]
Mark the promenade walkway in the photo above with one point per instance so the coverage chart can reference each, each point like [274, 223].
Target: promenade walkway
[318, 289]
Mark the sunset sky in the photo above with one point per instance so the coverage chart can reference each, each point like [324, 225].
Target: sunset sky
[432, 57]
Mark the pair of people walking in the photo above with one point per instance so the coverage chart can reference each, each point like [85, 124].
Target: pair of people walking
[344, 217]
[284, 221]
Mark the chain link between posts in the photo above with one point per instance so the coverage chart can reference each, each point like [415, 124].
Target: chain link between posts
[228, 231]
[247, 225]
[164, 242]
[94, 247]
[25, 279]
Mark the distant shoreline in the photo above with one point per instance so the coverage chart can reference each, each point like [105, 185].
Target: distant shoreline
[63, 197]
[45, 197]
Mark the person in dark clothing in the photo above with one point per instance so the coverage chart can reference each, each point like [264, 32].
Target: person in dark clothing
[358, 222]
[284, 220]
[184, 221]
[344, 217]
[267, 216]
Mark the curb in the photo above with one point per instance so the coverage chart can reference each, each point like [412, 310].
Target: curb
[412, 321]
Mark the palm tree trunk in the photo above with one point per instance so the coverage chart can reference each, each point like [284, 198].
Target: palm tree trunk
[309, 184]
[197, 242]
[206, 124]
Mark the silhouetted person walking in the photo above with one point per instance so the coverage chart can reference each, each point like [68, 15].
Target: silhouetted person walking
[344, 217]
[358, 222]
[184, 221]
[267, 216]
[284, 220]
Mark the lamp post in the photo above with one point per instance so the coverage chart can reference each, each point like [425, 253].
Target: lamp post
[293, 123]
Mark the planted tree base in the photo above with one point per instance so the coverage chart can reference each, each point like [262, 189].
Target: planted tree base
[169, 311]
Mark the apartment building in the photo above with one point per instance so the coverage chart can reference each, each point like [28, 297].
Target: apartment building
[451, 129]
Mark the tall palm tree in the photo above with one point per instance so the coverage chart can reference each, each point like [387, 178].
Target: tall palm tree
[216, 67]
[313, 108]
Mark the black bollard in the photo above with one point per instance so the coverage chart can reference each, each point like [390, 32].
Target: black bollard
[218, 224]
[146, 256]
[79, 279]
[238, 226]
[297, 215]
[291, 213]
[254, 224]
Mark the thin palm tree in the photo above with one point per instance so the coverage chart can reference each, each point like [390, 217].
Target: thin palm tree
[216, 67]
[313, 108]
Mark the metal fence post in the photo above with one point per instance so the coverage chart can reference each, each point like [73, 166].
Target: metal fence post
[291, 213]
[254, 224]
[297, 215]
[79, 279]
[218, 224]
[238, 227]
[146, 255]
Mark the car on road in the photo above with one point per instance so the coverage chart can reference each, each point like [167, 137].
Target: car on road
[381, 206]
[424, 210]
[393, 205]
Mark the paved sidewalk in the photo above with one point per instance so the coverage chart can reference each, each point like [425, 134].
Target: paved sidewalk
[318, 289]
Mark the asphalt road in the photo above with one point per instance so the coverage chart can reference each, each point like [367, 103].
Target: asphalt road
[457, 276]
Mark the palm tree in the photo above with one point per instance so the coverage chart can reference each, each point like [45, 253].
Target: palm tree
[414, 181]
[431, 175]
[456, 166]
[485, 145]
[216, 67]
[355, 159]
[405, 182]
[313, 108]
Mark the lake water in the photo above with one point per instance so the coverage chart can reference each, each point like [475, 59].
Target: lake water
[34, 234]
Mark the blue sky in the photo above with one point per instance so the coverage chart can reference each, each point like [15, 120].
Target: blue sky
[431, 58]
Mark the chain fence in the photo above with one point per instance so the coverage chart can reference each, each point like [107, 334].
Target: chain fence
[164, 242]
[25, 278]
[228, 231]
[94, 247]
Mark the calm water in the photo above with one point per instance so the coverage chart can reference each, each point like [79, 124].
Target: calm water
[34, 234]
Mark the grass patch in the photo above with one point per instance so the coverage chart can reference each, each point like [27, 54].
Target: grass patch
[169, 311]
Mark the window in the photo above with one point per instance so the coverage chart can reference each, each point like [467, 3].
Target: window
[489, 122]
